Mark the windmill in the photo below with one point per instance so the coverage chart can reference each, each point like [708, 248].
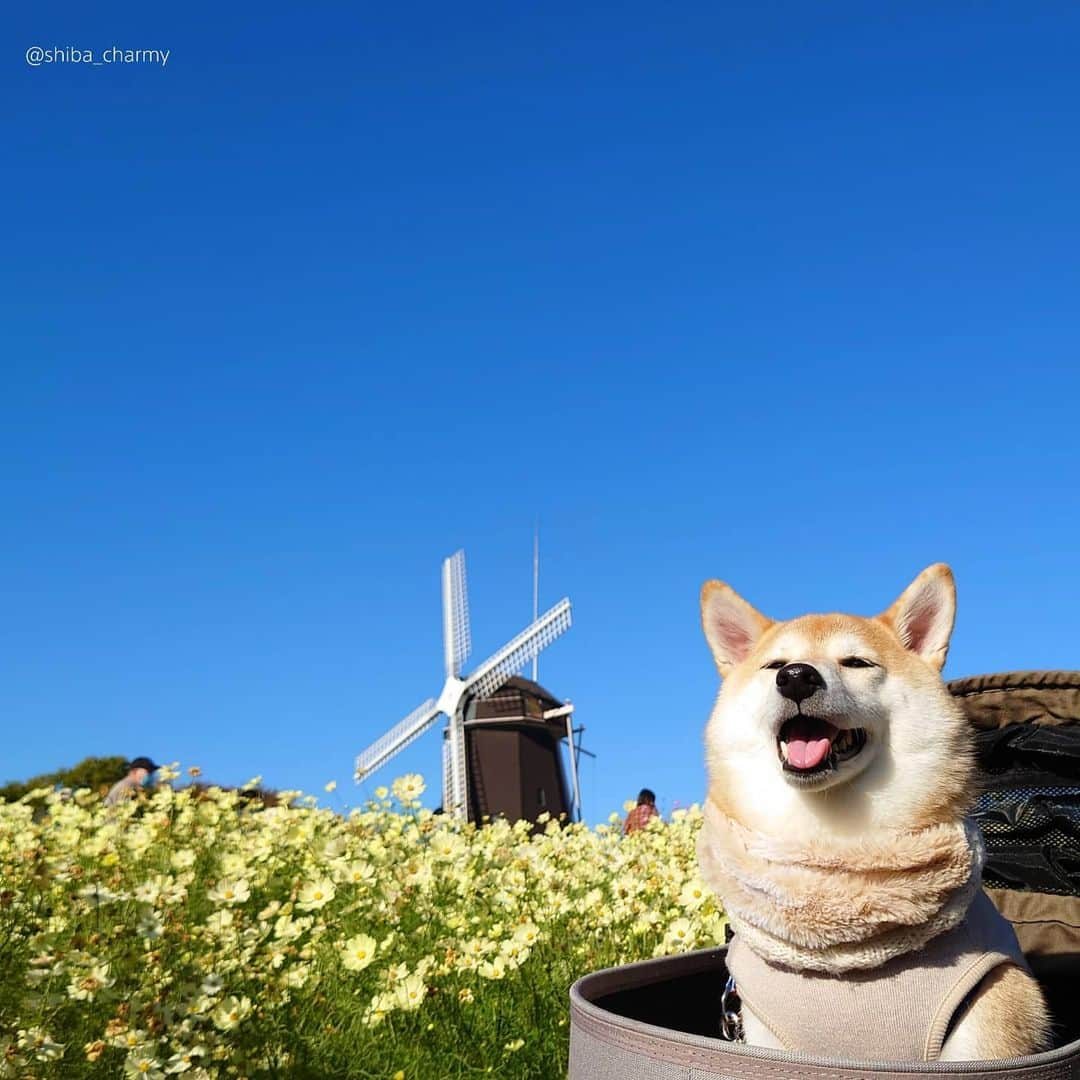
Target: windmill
[462, 694]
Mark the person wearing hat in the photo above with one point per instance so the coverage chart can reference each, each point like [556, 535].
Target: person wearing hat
[139, 772]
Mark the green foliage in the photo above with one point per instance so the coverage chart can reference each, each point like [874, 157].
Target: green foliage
[92, 772]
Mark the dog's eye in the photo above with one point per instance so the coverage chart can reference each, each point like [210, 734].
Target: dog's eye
[774, 665]
[856, 661]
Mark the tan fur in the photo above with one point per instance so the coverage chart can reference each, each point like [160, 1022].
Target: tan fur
[1007, 1018]
[838, 908]
[916, 770]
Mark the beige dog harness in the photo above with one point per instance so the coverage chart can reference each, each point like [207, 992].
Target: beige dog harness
[901, 1011]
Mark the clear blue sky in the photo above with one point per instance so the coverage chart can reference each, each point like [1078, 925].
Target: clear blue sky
[782, 293]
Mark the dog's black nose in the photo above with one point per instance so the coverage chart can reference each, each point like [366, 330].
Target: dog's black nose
[798, 681]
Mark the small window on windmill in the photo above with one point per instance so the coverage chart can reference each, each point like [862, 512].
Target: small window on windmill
[534, 707]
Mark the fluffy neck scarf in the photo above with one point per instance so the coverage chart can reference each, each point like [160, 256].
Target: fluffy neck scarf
[845, 904]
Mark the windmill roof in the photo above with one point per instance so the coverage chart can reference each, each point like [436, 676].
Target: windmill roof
[521, 684]
[518, 699]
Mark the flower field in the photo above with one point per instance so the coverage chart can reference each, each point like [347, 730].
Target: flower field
[195, 933]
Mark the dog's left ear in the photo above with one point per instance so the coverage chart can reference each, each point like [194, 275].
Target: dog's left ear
[923, 616]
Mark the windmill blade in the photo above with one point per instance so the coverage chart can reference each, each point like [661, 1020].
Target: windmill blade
[512, 657]
[397, 738]
[457, 642]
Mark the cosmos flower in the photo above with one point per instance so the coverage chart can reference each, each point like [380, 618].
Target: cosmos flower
[315, 894]
[358, 952]
[408, 788]
[230, 1012]
[230, 891]
[389, 913]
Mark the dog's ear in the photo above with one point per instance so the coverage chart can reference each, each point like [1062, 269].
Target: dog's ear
[732, 626]
[923, 616]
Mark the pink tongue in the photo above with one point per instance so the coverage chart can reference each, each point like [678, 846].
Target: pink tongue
[808, 742]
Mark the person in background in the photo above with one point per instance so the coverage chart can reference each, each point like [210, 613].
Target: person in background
[140, 770]
[640, 816]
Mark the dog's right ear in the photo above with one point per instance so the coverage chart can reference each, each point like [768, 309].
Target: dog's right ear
[732, 626]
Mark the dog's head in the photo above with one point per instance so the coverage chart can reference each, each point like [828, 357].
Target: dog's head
[837, 718]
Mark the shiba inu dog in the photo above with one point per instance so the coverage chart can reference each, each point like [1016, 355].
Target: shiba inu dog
[840, 771]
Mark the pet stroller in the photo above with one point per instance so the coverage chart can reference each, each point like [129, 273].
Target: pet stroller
[660, 1019]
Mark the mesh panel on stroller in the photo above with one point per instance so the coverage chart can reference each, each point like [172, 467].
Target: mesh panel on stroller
[1028, 743]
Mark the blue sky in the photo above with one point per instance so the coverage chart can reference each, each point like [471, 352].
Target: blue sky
[780, 293]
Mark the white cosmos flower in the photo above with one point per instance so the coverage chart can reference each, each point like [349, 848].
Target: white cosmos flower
[289, 929]
[143, 1065]
[408, 787]
[150, 927]
[129, 1039]
[230, 891]
[493, 969]
[217, 922]
[38, 1042]
[230, 1012]
[182, 859]
[315, 894]
[234, 864]
[149, 891]
[96, 895]
[694, 894]
[87, 987]
[410, 992]
[680, 934]
[183, 1060]
[296, 976]
[527, 934]
[357, 873]
[358, 952]
[375, 1013]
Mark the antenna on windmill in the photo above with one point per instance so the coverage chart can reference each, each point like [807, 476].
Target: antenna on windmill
[459, 690]
[536, 590]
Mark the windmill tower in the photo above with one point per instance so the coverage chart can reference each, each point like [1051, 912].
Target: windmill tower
[465, 700]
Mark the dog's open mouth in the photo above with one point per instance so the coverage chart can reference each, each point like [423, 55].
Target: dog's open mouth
[809, 746]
